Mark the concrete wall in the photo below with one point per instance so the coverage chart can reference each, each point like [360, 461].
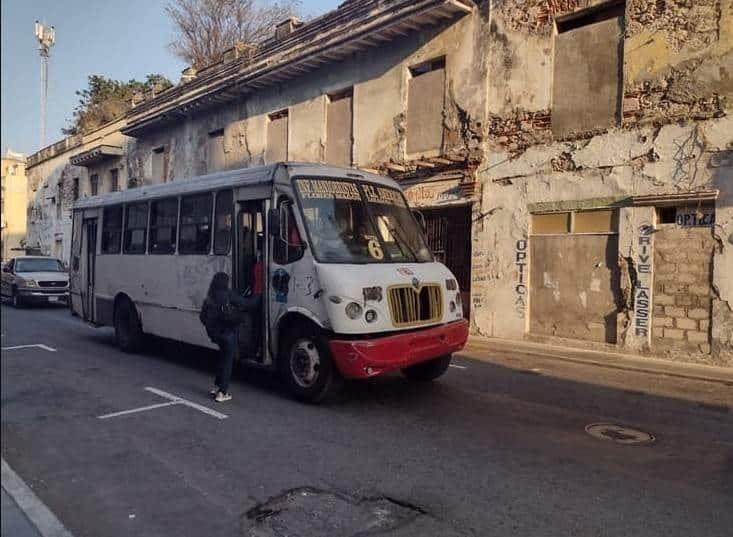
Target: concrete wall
[14, 198]
[673, 137]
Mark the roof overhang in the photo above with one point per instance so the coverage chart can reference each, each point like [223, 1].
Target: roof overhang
[661, 200]
[96, 155]
[326, 40]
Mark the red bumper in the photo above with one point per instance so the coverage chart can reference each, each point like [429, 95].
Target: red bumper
[369, 357]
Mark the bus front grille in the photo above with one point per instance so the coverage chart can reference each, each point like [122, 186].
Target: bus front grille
[412, 306]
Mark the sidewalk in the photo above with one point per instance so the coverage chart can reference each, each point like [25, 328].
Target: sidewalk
[23, 514]
[478, 346]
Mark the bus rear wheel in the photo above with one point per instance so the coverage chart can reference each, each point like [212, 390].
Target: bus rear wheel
[128, 331]
[306, 366]
[430, 370]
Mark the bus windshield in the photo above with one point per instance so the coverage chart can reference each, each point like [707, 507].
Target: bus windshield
[350, 222]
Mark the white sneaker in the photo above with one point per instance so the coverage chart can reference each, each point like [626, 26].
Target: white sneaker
[222, 397]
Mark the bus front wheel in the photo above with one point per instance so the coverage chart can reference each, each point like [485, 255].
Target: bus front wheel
[128, 331]
[306, 366]
[429, 370]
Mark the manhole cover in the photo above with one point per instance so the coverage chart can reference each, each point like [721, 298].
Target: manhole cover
[619, 434]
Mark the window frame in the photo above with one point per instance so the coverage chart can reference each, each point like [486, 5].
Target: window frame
[94, 184]
[214, 226]
[106, 230]
[152, 227]
[125, 227]
[615, 216]
[288, 258]
[181, 225]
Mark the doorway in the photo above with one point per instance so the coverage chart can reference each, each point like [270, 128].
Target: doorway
[249, 270]
[89, 251]
[448, 231]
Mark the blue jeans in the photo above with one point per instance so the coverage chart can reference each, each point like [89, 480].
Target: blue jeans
[227, 351]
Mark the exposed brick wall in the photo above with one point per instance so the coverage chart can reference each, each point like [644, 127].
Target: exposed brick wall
[682, 289]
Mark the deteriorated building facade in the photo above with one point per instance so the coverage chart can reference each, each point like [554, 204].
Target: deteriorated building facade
[573, 159]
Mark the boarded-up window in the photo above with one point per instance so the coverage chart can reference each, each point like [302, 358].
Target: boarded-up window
[160, 164]
[216, 151]
[339, 134]
[588, 79]
[602, 221]
[277, 137]
[94, 184]
[425, 106]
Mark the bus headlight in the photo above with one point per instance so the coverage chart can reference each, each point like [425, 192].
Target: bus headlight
[353, 310]
[370, 316]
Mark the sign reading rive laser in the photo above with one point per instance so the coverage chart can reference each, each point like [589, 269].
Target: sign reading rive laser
[643, 293]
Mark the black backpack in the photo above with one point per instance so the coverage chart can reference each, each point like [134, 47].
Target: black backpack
[217, 317]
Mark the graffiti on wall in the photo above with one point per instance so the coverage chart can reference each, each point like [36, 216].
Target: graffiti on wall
[643, 294]
[520, 304]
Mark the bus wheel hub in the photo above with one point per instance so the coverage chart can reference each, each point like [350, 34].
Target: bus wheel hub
[305, 363]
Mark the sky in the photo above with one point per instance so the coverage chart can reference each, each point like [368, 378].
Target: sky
[118, 39]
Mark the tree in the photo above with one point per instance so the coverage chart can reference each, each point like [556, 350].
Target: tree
[105, 99]
[204, 29]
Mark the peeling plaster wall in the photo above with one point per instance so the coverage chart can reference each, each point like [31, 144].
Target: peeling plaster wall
[50, 183]
[601, 172]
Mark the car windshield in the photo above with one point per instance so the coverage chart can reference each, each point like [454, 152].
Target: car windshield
[38, 265]
[348, 222]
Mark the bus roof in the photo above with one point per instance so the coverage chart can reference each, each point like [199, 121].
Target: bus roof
[261, 175]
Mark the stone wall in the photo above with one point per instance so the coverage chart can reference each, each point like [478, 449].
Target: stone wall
[682, 289]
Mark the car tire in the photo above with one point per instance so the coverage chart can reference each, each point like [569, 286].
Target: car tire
[128, 329]
[306, 366]
[429, 370]
[15, 299]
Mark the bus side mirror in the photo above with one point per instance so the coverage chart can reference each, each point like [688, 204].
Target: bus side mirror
[273, 222]
[420, 219]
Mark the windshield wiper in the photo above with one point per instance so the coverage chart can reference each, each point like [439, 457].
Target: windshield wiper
[402, 241]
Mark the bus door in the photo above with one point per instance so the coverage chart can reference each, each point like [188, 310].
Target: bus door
[89, 252]
[249, 270]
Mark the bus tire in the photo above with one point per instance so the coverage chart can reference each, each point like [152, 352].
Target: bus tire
[128, 330]
[429, 370]
[305, 365]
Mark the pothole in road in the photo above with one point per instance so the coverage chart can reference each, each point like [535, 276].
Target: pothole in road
[620, 434]
[312, 512]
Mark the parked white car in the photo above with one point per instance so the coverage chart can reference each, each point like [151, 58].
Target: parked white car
[28, 279]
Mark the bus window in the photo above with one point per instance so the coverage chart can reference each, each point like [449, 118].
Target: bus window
[136, 224]
[195, 229]
[223, 222]
[112, 230]
[163, 223]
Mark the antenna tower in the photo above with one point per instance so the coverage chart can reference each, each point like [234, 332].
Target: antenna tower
[46, 38]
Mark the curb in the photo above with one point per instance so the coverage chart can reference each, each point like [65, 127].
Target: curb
[655, 366]
[39, 515]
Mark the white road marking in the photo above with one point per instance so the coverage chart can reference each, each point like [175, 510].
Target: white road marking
[40, 516]
[140, 409]
[200, 408]
[172, 400]
[458, 366]
[38, 345]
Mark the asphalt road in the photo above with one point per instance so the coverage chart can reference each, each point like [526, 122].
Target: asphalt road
[488, 450]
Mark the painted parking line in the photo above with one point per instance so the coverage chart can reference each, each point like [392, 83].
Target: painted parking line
[458, 366]
[37, 345]
[172, 400]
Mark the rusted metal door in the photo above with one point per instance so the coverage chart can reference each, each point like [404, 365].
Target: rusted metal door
[449, 237]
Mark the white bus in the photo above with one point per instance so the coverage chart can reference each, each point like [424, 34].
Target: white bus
[349, 287]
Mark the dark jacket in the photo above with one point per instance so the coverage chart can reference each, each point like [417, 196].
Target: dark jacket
[238, 313]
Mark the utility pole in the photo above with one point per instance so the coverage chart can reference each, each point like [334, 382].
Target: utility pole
[46, 38]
